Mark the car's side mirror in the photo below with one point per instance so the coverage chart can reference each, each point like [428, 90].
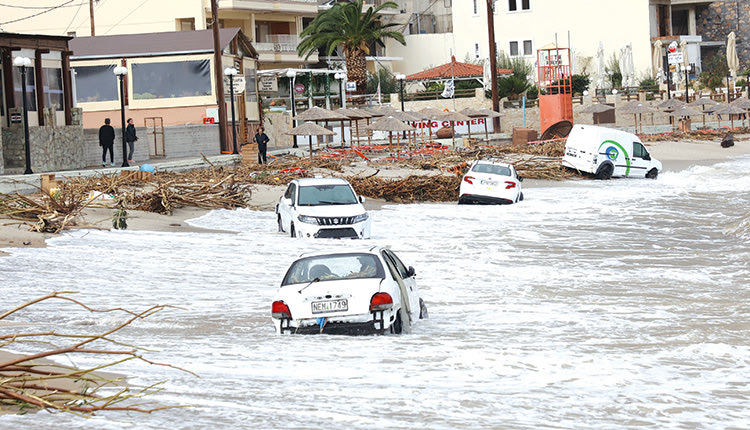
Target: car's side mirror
[520, 179]
[410, 272]
[647, 157]
[361, 199]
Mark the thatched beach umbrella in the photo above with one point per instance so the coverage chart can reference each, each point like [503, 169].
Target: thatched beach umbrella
[638, 109]
[744, 103]
[489, 113]
[319, 114]
[389, 124]
[597, 108]
[683, 111]
[726, 109]
[702, 103]
[671, 104]
[310, 129]
[431, 114]
[471, 113]
[453, 117]
[406, 117]
[353, 115]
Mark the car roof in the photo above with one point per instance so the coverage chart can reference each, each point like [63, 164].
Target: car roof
[363, 250]
[494, 162]
[303, 182]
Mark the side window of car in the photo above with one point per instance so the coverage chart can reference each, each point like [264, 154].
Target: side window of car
[289, 194]
[638, 150]
[400, 268]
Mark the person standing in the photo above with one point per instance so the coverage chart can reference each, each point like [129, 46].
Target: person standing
[261, 139]
[130, 137]
[107, 142]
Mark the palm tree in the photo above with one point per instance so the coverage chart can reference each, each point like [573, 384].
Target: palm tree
[347, 26]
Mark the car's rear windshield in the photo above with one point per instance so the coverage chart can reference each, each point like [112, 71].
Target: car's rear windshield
[492, 169]
[316, 195]
[334, 267]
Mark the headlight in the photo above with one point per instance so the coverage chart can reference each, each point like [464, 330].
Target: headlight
[308, 219]
[361, 217]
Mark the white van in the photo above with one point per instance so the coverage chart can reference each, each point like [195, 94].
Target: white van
[606, 152]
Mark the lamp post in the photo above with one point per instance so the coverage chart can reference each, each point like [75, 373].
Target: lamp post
[23, 63]
[120, 72]
[401, 77]
[291, 75]
[342, 97]
[232, 72]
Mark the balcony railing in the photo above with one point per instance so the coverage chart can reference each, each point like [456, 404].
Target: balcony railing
[278, 43]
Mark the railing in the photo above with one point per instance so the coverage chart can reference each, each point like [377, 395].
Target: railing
[437, 95]
[278, 43]
[511, 104]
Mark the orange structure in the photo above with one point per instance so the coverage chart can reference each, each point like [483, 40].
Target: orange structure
[555, 92]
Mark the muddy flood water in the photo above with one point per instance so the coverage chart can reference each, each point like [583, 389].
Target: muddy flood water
[614, 304]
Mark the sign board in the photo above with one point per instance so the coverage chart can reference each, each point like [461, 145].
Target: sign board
[351, 86]
[299, 88]
[675, 57]
[268, 84]
[239, 84]
[15, 118]
[208, 120]
[213, 113]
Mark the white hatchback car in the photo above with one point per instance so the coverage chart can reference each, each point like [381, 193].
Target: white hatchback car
[490, 182]
[360, 292]
[322, 207]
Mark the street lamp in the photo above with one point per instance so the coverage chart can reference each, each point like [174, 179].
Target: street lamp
[120, 72]
[291, 75]
[401, 77]
[341, 76]
[232, 72]
[23, 63]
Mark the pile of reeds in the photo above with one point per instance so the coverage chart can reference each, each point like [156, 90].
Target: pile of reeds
[410, 189]
[26, 383]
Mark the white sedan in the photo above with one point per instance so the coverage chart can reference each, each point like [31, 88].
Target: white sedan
[362, 292]
[322, 208]
[490, 182]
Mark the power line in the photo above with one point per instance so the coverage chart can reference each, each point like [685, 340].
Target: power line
[126, 16]
[37, 14]
[31, 7]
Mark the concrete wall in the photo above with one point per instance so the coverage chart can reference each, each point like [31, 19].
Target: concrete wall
[179, 142]
[51, 148]
[2, 166]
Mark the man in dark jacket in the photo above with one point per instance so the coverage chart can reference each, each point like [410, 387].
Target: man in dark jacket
[107, 142]
[130, 137]
[261, 139]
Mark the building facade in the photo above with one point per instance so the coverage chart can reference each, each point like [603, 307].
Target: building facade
[272, 26]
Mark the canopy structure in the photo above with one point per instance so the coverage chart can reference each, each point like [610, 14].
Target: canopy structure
[597, 108]
[453, 117]
[390, 124]
[310, 129]
[636, 110]
[455, 70]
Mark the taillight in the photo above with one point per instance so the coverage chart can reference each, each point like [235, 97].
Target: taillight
[381, 302]
[280, 310]
[510, 185]
[469, 179]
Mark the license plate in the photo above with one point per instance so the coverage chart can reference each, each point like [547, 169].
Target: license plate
[330, 306]
[488, 183]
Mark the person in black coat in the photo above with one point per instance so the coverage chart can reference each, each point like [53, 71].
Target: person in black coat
[130, 137]
[261, 139]
[107, 142]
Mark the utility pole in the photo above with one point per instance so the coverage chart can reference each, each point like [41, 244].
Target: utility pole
[493, 61]
[91, 14]
[219, 72]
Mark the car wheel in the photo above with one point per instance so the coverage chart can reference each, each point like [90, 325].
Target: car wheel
[520, 197]
[397, 327]
[292, 232]
[422, 310]
[652, 174]
[278, 220]
[605, 171]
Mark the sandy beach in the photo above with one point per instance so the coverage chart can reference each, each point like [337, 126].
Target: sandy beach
[675, 156]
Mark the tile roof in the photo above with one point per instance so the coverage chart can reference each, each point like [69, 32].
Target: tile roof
[459, 70]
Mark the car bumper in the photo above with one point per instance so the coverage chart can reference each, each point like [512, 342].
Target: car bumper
[476, 199]
[367, 324]
[351, 231]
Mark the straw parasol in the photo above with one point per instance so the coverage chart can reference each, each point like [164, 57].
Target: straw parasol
[453, 116]
[389, 124]
[671, 104]
[310, 129]
[471, 113]
[742, 102]
[489, 113]
[638, 109]
[319, 114]
[405, 117]
[683, 111]
[353, 115]
[727, 109]
[431, 114]
[702, 103]
[597, 108]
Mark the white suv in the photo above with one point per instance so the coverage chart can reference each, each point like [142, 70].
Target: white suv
[322, 207]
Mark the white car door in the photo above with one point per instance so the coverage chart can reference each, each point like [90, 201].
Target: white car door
[410, 292]
[640, 161]
[286, 206]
